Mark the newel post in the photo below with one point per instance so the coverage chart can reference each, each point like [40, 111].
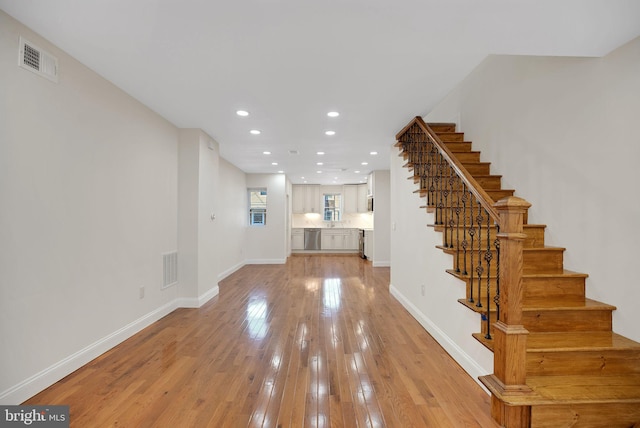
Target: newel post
[508, 381]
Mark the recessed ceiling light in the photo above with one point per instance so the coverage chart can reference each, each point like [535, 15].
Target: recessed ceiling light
[365, 163]
[330, 132]
[319, 163]
[333, 114]
[242, 113]
[305, 181]
[319, 172]
[320, 153]
[280, 172]
[266, 153]
[335, 178]
[373, 153]
[255, 132]
[357, 172]
[302, 178]
[274, 163]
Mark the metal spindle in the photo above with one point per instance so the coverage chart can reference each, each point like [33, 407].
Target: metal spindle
[458, 227]
[445, 207]
[479, 268]
[472, 233]
[452, 177]
[464, 225]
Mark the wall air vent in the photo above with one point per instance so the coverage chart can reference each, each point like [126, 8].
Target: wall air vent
[170, 268]
[34, 59]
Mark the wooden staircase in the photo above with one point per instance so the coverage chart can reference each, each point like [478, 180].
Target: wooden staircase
[575, 371]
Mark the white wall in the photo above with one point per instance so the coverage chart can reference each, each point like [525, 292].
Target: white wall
[267, 244]
[416, 263]
[88, 187]
[231, 218]
[564, 133]
[381, 218]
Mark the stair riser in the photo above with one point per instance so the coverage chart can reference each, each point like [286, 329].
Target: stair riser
[605, 362]
[614, 415]
[572, 288]
[566, 298]
[464, 157]
[490, 182]
[478, 168]
[534, 239]
[451, 136]
[450, 200]
[560, 320]
[442, 127]
[458, 146]
[535, 261]
[567, 320]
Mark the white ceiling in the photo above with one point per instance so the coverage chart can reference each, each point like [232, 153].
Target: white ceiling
[288, 62]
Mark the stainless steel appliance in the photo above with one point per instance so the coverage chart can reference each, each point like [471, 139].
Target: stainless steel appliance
[312, 239]
[361, 243]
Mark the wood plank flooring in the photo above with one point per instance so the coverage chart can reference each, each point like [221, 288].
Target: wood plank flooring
[317, 342]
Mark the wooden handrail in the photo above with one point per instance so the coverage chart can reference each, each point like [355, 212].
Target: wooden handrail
[474, 187]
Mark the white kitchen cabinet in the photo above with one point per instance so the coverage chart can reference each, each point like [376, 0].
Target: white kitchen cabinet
[305, 198]
[362, 198]
[298, 195]
[352, 240]
[350, 198]
[297, 239]
[333, 239]
[370, 185]
[312, 204]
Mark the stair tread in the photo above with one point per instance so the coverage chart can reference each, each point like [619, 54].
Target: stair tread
[576, 389]
[534, 304]
[565, 273]
[549, 304]
[577, 341]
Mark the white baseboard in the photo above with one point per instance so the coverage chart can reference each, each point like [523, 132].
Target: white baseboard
[381, 264]
[466, 362]
[47, 377]
[229, 271]
[265, 261]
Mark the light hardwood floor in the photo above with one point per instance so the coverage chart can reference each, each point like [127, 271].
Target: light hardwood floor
[318, 342]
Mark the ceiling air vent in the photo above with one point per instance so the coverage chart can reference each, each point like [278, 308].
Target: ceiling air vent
[38, 61]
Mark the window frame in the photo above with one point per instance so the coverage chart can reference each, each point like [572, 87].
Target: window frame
[257, 208]
[335, 209]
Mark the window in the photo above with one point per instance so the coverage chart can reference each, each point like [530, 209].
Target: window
[257, 207]
[332, 204]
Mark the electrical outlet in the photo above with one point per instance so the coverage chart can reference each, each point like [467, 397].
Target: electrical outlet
[142, 292]
[422, 289]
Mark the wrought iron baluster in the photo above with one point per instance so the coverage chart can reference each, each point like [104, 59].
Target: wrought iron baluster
[465, 196]
[458, 182]
[488, 256]
[472, 233]
[452, 208]
[445, 205]
[439, 190]
[432, 187]
[479, 268]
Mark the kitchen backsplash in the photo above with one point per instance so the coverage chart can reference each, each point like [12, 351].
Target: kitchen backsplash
[355, 221]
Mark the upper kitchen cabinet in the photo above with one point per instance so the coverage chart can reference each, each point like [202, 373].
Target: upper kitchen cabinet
[354, 198]
[305, 198]
[370, 185]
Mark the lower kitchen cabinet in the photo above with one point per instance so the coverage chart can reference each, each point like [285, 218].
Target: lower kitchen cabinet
[297, 239]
